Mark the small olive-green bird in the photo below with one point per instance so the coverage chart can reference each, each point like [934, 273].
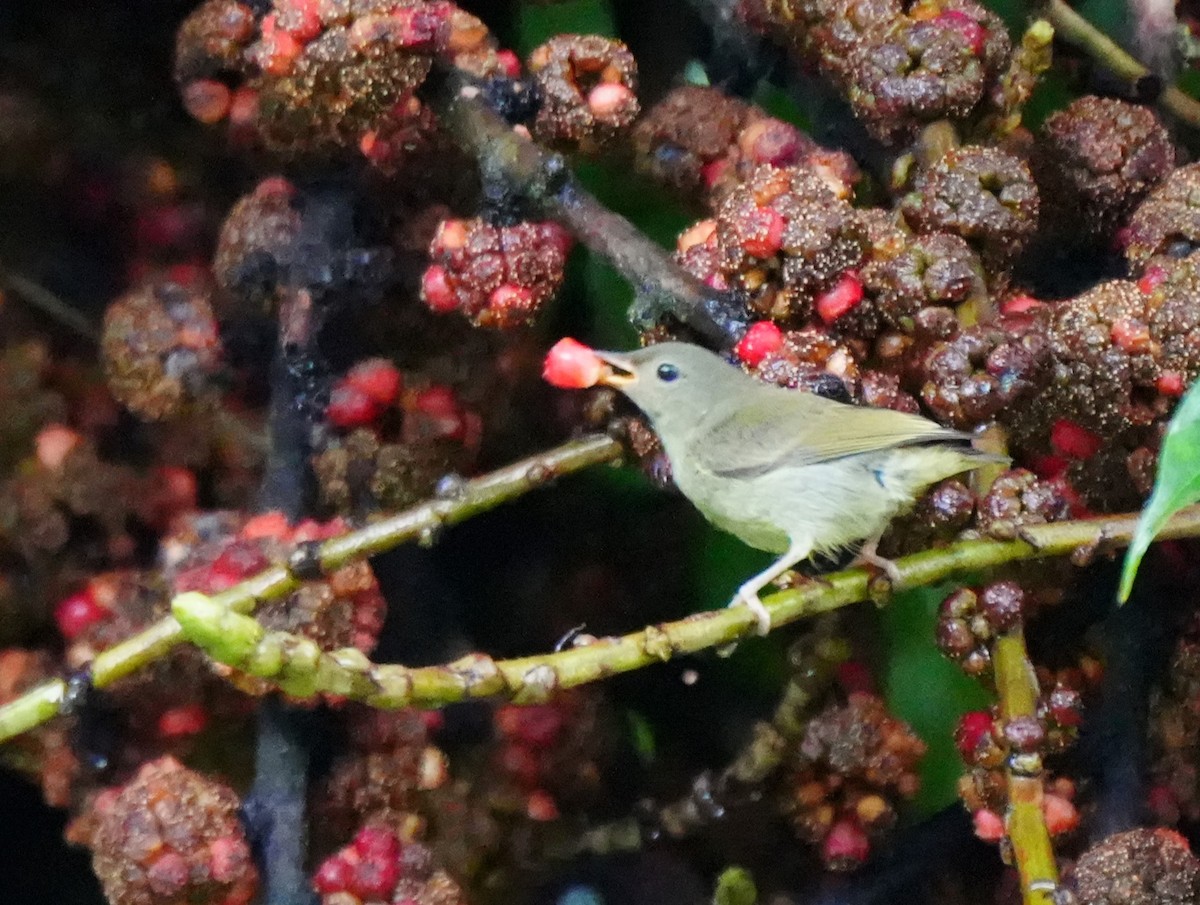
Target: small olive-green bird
[786, 471]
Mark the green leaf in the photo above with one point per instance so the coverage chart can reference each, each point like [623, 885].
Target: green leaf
[923, 688]
[641, 734]
[735, 886]
[1177, 484]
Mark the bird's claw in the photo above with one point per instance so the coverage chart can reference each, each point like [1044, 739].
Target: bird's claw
[885, 565]
[750, 600]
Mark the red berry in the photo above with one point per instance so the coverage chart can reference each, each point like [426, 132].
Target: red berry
[376, 843]
[375, 879]
[54, 442]
[350, 407]
[855, 678]
[436, 290]
[1170, 383]
[168, 875]
[972, 729]
[762, 339]
[974, 33]
[299, 18]
[227, 858]
[609, 99]
[378, 378]
[1074, 440]
[441, 415]
[207, 100]
[509, 62]
[537, 725]
[1131, 335]
[1020, 304]
[541, 806]
[989, 826]
[187, 719]
[714, 171]
[766, 227]
[843, 297]
[846, 846]
[1151, 279]
[570, 365]
[75, 614]
[511, 296]
[334, 875]
[1061, 815]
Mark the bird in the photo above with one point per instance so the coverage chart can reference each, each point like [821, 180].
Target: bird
[786, 471]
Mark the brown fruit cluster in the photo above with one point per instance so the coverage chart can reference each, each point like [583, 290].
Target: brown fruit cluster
[842, 779]
[1096, 160]
[1167, 222]
[161, 349]
[1138, 867]
[390, 761]
[498, 276]
[171, 835]
[313, 77]
[703, 142]
[588, 87]
[899, 66]
[985, 195]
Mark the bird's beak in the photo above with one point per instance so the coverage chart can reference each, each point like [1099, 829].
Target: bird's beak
[618, 370]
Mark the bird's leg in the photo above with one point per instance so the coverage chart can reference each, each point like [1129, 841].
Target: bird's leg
[747, 594]
[870, 557]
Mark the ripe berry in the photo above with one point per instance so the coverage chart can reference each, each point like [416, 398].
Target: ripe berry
[765, 233]
[843, 297]
[989, 826]
[1074, 440]
[570, 365]
[846, 846]
[350, 407]
[762, 339]
[334, 875]
[973, 728]
[378, 379]
[75, 614]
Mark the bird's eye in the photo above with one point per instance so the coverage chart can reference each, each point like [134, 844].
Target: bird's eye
[667, 373]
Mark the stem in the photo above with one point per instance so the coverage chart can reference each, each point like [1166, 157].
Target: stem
[543, 179]
[1017, 686]
[478, 495]
[1079, 32]
[41, 298]
[276, 803]
[533, 678]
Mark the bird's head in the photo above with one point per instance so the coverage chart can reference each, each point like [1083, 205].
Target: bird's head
[673, 383]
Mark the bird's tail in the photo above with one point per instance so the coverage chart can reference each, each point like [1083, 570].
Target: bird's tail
[938, 462]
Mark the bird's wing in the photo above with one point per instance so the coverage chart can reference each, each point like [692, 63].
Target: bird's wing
[764, 434]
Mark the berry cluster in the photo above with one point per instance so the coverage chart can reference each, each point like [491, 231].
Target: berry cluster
[390, 761]
[844, 777]
[380, 866]
[498, 276]
[161, 349]
[171, 835]
[900, 66]
[588, 90]
[550, 757]
[700, 141]
[1138, 867]
[322, 77]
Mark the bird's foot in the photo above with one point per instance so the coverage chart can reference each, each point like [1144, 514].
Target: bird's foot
[869, 557]
[750, 599]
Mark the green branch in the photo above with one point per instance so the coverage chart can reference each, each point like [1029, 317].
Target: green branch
[475, 496]
[534, 678]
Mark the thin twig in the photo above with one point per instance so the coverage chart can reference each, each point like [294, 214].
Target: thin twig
[1079, 32]
[45, 301]
[543, 179]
